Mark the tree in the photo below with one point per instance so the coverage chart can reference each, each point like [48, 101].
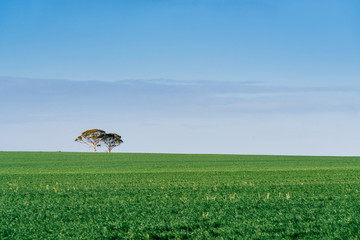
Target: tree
[111, 140]
[91, 138]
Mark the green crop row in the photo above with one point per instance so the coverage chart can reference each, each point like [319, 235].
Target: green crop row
[175, 196]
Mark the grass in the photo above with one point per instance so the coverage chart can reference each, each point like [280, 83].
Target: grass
[177, 196]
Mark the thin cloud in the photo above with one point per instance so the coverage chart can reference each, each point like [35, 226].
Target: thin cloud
[29, 100]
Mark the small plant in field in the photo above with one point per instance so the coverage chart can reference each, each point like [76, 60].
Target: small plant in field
[288, 196]
[348, 188]
[205, 215]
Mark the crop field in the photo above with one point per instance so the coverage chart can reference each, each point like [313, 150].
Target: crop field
[57, 195]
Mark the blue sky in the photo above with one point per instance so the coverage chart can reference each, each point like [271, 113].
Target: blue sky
[214, 76]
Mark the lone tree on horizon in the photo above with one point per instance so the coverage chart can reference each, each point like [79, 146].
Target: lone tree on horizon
[111, 140]
[91, 137]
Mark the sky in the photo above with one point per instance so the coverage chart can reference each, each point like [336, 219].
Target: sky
[182, 76]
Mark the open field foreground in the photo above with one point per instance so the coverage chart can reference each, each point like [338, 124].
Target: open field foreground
[175, 196]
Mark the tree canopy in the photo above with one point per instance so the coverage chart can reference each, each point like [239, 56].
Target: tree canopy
[96, 138]
[91, 137]
[111, 140]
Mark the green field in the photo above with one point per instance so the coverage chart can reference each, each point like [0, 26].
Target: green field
[176, 196]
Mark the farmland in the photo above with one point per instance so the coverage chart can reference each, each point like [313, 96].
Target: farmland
[57, 195]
